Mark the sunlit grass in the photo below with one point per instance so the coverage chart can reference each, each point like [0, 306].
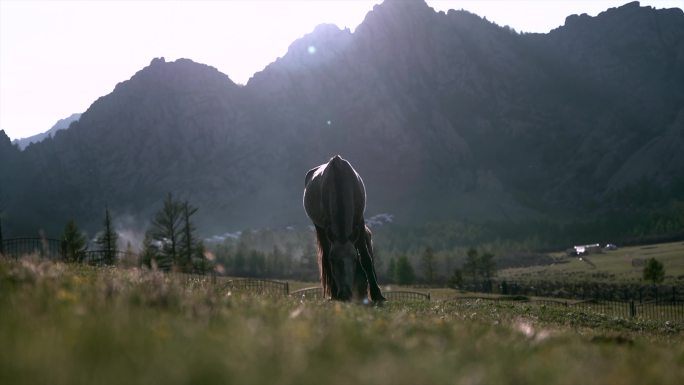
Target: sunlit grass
[69, 324]
[615, 265]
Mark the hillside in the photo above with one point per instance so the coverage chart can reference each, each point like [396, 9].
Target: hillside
[446, 116]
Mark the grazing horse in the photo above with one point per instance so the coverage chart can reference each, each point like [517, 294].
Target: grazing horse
[334, 200]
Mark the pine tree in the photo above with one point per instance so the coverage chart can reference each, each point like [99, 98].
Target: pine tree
[309, 263]
[480, 268]
[150, 251]
[471, 267]
[392, 270]
[405, 273]
[428, 261]
[654, 271]
[74, 244]
[276, 263]
[129, 255]
[456, 280]
[188, 241]
[165, 234]
[107, 240]
[487, 268]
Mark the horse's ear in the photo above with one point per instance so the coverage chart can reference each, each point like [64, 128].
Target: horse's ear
[309, 176]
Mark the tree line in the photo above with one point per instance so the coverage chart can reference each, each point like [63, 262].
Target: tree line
[74, 244]
[171, 243]
[290, 254]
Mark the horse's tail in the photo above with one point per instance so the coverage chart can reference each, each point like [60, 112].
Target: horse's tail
[324, 263]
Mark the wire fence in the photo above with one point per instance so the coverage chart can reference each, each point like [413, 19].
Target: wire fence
[43, 247]
[308, 293]
[396, 295]
[259, 286]
[54, 249]
[663, 310]
[405, 295]
[628, 301]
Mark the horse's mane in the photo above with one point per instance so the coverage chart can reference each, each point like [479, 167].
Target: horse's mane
[324, 263]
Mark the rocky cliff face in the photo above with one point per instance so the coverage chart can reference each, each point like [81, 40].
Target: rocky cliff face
[446, 116]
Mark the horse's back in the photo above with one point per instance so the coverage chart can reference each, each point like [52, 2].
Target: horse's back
[334, 190]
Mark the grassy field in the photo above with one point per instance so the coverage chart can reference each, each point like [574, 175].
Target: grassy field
[616, 265]
[68, 324]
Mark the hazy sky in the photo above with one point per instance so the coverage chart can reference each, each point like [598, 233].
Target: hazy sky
[58, 57]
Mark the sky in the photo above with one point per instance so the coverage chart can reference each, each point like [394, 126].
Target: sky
[57, 57]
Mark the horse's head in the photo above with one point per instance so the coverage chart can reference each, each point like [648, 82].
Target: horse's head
[342, 260]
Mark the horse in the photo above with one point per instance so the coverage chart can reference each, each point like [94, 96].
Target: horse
[334, 200]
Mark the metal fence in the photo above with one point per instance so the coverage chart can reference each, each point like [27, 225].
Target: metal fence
[398, 295]
[259, 286]
[660, 310]
[663, 310]
[404, 295]
[43, 247]
[105, 257]
[308, 293]
[582, 290]
[52, 249]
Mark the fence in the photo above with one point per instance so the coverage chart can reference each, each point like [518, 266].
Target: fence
[260, 286]
[44, 247]
[308, 292]
[403, 295]
[663, 310]
[398, 295]
[106, 257]
[52, 249]
[581, 290]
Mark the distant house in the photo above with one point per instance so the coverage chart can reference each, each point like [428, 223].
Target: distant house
[587, 249]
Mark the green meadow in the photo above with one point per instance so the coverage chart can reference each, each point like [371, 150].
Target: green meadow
[74, 324]
[621, 265]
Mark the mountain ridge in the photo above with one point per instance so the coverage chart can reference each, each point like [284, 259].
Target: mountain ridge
[446, 116]
[60, 125]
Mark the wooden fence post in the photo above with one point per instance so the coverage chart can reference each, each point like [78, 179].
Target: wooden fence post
[632, 309]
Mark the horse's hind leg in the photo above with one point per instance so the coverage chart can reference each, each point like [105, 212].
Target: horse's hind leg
[365, 246]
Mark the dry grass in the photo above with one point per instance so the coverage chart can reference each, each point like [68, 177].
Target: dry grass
[65, 324]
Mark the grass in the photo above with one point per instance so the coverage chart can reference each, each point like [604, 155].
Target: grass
[69, 324]
[615, 265]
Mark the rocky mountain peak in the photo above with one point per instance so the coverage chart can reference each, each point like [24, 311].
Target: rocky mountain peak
[405, 7]
[318, 48]
[394, 16]
[4, 139]
[182, 73]
[445, 115]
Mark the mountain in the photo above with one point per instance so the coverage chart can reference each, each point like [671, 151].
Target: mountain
[60, 125]
[447, 116]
